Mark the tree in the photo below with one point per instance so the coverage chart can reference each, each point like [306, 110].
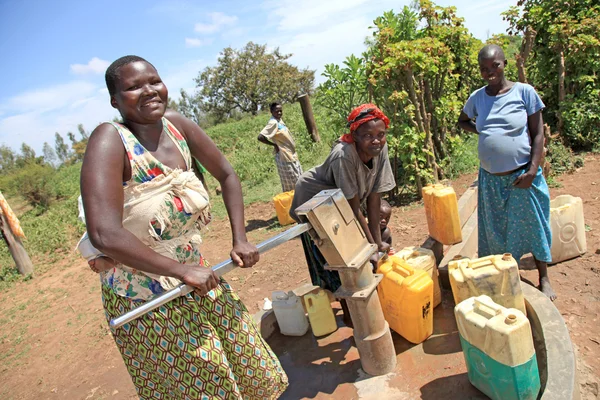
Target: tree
[84, 134]
[565, 63]
[421, 78]
[72, 138]
[191, 106]
[27, 152]
[247, 80]
[62, 150]
[7, 159]
[345, 87]
[49, 154]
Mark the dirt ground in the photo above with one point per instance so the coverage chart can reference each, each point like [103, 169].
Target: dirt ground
[55, 343]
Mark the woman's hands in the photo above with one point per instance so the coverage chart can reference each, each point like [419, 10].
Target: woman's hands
[524, 181]
[203, 279]
[244, 254]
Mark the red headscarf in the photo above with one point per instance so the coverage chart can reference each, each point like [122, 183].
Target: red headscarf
[373, 113]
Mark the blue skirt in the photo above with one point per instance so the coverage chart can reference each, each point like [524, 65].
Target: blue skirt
[513, 220]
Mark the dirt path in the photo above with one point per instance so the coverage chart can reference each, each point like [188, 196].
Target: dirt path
[55, 344]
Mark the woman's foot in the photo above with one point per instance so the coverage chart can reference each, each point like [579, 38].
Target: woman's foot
[546, 288]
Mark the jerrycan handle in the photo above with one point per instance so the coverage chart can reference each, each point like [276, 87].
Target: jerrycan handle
[401, 264]
[486, 309]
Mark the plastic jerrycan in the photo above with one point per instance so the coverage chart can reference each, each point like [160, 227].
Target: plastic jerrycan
[568, 228]
[441, 209]
[320, 314]
[423, 259]
[289, 313]
[406, 296]
[495, 276]
[282, 203]
[498, 349]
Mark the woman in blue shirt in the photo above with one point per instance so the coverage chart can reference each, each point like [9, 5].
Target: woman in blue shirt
[514, 201]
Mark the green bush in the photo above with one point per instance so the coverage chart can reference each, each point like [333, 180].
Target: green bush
[562, 159]
[582, 120]
[34, 183]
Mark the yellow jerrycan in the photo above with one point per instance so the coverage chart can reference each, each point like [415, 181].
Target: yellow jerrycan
[495, 276]
[320, 314]
[568, 228]
[498, 347]
[406, 296]
[282, 203]
[441, 209]
[423, 259]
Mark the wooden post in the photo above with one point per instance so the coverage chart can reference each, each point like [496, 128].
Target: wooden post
[17, 251]
[309, 118]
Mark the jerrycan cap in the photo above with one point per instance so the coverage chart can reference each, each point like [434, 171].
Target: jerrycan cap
[510, 319]
[506, 257]
[279, 295]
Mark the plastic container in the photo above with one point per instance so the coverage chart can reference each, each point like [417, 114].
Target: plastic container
[290, 314]
[423, 259]
[568, 228]
[498, 349]
[441, 209]
[494, 276]
[283, 202]
[406, 296]
[320, 314]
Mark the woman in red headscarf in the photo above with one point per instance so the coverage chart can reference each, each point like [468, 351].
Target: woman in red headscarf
[358, 165]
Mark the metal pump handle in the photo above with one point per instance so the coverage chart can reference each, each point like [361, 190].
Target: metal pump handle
[219, 269]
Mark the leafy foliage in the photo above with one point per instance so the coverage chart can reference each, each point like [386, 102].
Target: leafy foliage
[421, 78]
[247, 80]
[345, 87]
[565, 63]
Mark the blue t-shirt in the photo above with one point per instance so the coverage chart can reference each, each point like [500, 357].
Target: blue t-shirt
[504, 142]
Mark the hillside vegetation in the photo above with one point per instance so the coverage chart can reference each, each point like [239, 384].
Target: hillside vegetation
[54, 229]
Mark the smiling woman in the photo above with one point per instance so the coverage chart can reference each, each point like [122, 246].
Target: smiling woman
[144, 207]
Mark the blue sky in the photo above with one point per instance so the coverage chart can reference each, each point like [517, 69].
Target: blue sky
[55, 52]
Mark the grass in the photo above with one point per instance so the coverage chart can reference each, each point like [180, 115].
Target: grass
[52, 233]
[253, 161]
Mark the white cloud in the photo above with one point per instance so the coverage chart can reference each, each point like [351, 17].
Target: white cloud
[195, 42]
[310, 50]
[95, 66]
[50, 98]
[34, 117]
[219, 20]
[312, 12]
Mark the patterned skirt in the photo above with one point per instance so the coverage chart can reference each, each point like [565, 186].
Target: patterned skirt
[196, 348]
[513, 220]
[289, 172]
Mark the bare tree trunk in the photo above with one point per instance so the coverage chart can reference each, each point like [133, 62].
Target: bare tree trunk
[17, 251]
[430, 151]
[543, 163]
[561, 90]
[309, 118]
[526, 47]
[410, 79]
[435, 128]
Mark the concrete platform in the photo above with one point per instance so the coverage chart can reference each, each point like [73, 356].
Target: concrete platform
[329, 367]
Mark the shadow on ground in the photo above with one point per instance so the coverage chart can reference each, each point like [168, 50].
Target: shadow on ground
[255, 224]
